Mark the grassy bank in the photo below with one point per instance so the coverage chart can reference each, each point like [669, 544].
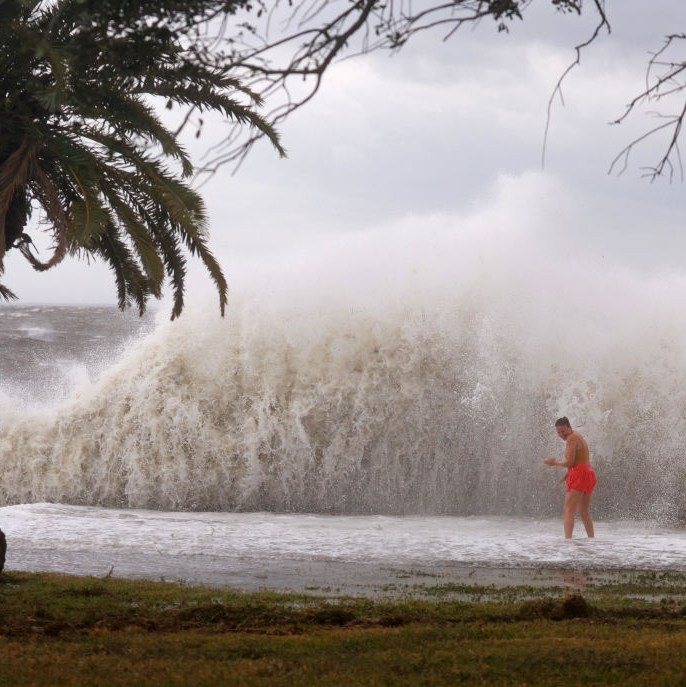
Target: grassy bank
[60, 630]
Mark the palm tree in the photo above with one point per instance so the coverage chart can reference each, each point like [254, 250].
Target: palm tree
[82, 141]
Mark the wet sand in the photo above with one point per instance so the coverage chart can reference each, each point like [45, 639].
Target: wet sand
[334, 578]
[336, 555]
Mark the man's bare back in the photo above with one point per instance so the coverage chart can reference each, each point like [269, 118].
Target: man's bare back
[576, 449]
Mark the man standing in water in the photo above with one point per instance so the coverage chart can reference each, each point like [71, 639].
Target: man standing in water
[580, 477]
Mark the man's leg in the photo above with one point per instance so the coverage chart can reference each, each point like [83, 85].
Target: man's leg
[585, 513]
[571, 505]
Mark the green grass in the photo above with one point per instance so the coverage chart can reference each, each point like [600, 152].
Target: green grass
[61, 630]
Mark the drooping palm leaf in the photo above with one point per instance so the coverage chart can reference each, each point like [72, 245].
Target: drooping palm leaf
[81, 138]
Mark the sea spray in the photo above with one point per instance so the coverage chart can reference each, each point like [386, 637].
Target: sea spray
[419, 373]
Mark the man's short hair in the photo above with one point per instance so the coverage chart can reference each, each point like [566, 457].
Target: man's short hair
[563, 422]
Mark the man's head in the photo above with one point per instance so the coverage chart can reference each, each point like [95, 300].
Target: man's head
[563, 428]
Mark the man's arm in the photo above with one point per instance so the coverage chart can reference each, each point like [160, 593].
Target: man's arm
[569, 454]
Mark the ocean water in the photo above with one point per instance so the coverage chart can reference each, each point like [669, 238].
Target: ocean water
[410, 386]
[48, 351]
[348, 554]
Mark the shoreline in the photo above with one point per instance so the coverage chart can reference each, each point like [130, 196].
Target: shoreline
[368, 580]
[332, 555]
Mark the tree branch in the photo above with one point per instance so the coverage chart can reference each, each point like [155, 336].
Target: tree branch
[659, 85]
[313, 34]
[603, 22]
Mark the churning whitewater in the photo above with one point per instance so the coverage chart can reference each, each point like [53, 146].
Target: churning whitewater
[418, 375]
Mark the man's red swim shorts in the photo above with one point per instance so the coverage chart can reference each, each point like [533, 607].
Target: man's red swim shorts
[581, 478]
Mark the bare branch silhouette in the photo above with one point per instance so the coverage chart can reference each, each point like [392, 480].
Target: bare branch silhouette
[664, 79]
[282, 50]
[557, 91]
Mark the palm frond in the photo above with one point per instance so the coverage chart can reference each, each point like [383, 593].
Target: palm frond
[132, 285]
[80, 135]
[6, 294]
[135, 119]
[15, 172]
[47, 194]
[145, 243]
[175, 266]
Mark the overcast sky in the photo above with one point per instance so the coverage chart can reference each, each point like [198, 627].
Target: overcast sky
[445, 131]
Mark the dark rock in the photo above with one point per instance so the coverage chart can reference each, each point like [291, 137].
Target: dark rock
[575, 606]
[571, 606]
[3, 549]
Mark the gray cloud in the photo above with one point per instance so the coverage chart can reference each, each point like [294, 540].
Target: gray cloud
[433, 131]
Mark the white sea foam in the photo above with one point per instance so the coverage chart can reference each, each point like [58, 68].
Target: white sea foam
[412, 373]
[43, 333]
[292, 551]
